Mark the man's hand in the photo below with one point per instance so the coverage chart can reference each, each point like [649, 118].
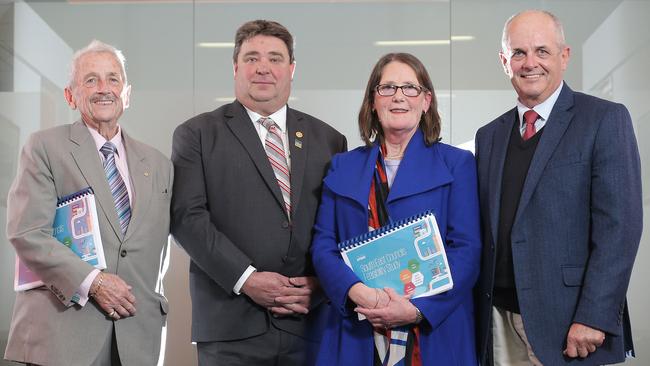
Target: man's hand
[297, 304]
[582, 340]
[113, 295]
[265, 287]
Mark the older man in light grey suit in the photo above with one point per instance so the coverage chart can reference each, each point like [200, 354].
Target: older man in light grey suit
[50, 325]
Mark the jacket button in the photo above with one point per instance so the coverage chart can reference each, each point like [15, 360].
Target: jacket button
[123, 253]
[285, 224]
[488, 295]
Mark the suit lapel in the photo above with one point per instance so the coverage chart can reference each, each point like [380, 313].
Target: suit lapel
[298, 138]
[242, 127]
[86, 157]
[558, 122]
[422, 169]
[499, 147]
[140, 175]
[354, 186]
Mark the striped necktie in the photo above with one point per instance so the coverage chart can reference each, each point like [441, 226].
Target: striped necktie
[118, 188]
[278, 159]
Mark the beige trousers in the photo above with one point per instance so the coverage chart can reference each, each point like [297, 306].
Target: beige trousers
[511, 347]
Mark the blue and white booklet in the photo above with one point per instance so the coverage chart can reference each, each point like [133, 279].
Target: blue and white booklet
[75, 226]
[407, 256]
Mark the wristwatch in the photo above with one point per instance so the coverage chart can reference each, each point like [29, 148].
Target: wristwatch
[418, 316]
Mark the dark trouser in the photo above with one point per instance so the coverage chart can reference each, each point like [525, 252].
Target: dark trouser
[273, 348]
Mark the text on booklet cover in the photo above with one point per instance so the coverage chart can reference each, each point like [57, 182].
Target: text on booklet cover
[408, 256]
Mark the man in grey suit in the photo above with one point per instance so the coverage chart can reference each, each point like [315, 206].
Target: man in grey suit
[560, 194]
[83, 316]
[248, 186]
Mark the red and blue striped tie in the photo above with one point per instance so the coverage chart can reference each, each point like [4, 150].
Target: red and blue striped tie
[118, 188]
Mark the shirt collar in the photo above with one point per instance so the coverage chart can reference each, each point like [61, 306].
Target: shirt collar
[279, 117]
[543, 109]
[100, 140]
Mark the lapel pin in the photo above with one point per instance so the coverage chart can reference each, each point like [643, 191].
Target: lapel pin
[298, 142]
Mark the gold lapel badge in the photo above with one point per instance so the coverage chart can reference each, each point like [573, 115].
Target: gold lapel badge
[298, 142]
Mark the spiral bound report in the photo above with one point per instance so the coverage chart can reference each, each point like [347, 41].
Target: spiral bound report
[407, 255]
[71, 197]
[76, 226]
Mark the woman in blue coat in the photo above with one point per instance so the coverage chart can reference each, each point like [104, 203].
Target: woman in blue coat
[402, 171]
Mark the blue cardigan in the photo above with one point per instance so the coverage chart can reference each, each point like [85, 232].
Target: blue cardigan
[439, 178]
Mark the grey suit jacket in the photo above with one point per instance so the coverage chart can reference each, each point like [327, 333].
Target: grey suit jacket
[576, 230]
[47, 328]
[228, 213]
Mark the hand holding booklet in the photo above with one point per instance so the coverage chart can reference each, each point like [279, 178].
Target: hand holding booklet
[407, 256]
[75, 226]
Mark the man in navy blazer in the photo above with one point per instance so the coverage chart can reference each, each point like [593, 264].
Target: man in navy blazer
[561, 206]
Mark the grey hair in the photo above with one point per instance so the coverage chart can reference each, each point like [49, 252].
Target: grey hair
[96, 46]
[559, 29]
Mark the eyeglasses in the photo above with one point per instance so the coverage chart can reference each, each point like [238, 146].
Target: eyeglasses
[388, 90]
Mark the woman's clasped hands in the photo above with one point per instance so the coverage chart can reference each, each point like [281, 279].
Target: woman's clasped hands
[383, 308]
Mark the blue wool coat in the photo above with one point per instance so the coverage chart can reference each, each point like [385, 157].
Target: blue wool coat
[440, 178]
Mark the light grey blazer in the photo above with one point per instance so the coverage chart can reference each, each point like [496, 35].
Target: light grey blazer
[47, 328]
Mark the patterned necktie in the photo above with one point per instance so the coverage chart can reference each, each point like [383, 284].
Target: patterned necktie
[118, 188]
[278, 159]
[530, 117]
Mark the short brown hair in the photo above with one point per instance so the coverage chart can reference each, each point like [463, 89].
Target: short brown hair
[261, 27]
[369, 126]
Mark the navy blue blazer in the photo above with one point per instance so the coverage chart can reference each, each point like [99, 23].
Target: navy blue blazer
[576, 230]
[438, 177]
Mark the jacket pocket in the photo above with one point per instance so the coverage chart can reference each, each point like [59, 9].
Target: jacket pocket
[572, 275]
[565, 160]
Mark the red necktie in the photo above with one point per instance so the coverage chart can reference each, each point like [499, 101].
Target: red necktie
[530, 116]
